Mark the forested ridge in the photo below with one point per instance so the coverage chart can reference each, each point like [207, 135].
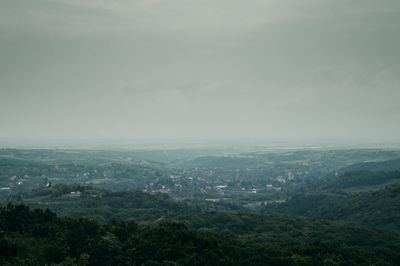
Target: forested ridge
[103, 204]
[379, 209]
[39, 237]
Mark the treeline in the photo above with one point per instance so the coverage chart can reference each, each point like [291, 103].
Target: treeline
[154, 209]
[360, 179]
[381, 166]
[379, 209]
[39, 237]
[354, 181]
[102, 204]
[375, 209]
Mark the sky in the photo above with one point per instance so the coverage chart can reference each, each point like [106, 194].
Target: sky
[209, 69]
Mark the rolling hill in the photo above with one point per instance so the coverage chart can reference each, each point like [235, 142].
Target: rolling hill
[379, 209]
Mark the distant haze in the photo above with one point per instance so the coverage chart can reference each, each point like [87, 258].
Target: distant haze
[185, 69]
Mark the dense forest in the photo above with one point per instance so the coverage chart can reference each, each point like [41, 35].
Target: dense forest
[39, 237]
[378, 208]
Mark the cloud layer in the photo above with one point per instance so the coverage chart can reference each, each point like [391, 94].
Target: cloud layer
[199, 69]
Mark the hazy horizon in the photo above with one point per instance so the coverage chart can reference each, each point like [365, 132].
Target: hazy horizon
[240, 145]
[200, 70]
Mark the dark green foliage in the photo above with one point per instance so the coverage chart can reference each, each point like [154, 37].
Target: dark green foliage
[42, 238]
[103, 204]
[150, 209]
[379, 208]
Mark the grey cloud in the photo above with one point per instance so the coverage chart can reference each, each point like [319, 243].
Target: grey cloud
[185, 68]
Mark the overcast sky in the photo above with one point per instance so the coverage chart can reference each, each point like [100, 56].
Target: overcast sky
[133, 69]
